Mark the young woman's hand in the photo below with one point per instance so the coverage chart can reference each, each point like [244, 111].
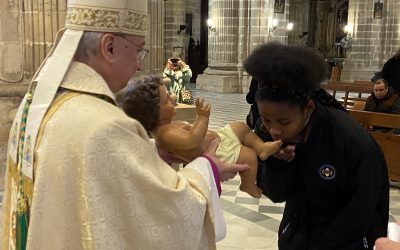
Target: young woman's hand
[226, 170]
[386, 244]
[286, 153]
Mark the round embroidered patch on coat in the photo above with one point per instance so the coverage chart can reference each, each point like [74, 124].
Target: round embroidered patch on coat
[327, 172]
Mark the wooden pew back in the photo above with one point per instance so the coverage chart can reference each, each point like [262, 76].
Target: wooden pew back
[350, 87]
[389, 143]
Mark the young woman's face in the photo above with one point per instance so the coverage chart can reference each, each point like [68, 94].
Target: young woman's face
[284, 121]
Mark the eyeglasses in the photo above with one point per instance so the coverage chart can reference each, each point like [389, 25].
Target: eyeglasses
[141, 52]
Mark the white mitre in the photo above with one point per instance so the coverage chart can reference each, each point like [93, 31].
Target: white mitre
[116, 16]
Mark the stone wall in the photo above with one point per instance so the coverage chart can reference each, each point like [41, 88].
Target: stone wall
[240, 27]
[193, 7]
[173, 18]
[223, 43]
[299, 11]
[374, 40]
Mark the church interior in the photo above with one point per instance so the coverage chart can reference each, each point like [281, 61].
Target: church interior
[214, 37]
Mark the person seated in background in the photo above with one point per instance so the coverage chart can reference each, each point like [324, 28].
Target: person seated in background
[384, 100]
[179, 73]
[148, 102]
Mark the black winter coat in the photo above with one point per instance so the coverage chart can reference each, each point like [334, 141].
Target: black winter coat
[336, 189]
[391, 73]
[251, 99]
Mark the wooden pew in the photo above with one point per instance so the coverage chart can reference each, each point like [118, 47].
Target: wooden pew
[389, 143]
[350, 87]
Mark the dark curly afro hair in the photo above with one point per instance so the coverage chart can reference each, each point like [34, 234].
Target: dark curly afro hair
[288, 67]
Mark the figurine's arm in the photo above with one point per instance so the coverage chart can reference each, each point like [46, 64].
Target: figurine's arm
[182, 136]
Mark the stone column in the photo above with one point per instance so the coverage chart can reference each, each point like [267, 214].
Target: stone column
[42, 20]
[174, 41]
[373, 40]
[299, 15]
[11, 72]
[154, 64]
[243, 44]
[11, 28]
[221, 74]
[261, 15]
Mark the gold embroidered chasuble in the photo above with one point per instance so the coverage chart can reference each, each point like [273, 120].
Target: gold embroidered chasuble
[99, 184]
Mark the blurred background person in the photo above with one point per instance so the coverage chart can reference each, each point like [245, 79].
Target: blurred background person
[179, 73]
[384, 100]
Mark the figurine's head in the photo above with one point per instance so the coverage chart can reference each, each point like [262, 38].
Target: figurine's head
[148, 102]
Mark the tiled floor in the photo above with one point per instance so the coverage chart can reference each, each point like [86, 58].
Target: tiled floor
[251, 223]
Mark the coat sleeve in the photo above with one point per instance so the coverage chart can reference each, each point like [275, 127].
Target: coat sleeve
[186, 74]
[276, 179]
[388, 69]
[370, 104]
[396, 110]
[358, 221]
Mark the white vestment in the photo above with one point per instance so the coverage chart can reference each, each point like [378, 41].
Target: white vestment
[99, 184]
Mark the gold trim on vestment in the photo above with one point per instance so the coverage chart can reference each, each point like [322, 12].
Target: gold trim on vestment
[6, 203]
[105, 19]
[27, 182]
[53, 108]
[27, 187]
[136, 21]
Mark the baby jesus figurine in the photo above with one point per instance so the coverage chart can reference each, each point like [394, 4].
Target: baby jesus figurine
[149, 102]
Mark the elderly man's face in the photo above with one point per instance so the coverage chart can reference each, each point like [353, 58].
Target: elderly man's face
[380, 90]
[130, 55]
